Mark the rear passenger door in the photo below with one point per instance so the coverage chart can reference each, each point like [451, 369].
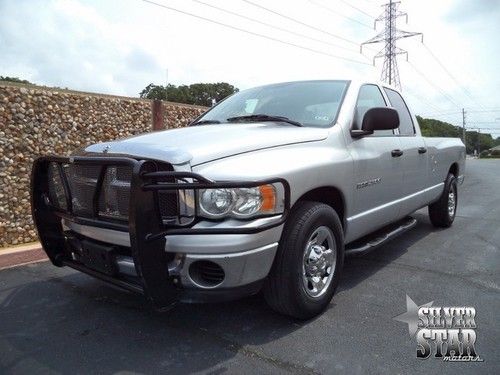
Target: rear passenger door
[414, 157]
[378, 174]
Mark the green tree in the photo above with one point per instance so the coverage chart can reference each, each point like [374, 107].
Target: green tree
[153, 91]
[478, 141]
[204, 93]
[435, 128]
[14, 79]
[474, 140]
[198, 93]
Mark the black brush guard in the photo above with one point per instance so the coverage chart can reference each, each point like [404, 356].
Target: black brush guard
[148, 233]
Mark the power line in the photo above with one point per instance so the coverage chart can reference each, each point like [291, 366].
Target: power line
[434, 85]
[299, 22]
[447, 117]
[486, 110]
[464, 89]
[422, 100]
[253, 33]
[227, 11]
[440, 113]
[356, 8]
[486, 122]
[339, 14]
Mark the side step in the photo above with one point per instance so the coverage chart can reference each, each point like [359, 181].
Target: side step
[378, 238]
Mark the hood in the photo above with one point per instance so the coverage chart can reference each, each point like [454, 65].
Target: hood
[204, 143]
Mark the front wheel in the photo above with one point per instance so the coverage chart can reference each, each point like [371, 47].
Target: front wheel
[442, 212]
[307, 267]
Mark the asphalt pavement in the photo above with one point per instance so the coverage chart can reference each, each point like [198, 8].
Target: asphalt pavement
[56, 320]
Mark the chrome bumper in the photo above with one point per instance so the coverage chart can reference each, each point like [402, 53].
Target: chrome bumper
[240, 268]
[245, 258]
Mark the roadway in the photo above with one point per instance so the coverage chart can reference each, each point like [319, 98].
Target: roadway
[55, 320]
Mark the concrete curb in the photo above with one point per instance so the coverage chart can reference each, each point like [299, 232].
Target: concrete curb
[21, 255]
[18, 248]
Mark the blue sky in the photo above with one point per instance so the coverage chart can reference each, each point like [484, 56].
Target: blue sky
[119, 47]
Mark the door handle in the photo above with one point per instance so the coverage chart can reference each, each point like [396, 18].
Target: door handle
[422, 150]
[396, 153]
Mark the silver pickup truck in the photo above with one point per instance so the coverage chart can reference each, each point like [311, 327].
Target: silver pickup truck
[268, 190]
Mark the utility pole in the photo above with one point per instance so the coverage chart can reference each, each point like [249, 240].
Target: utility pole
[166, 84]
[463, 129]
[478, 143]
[390, 35]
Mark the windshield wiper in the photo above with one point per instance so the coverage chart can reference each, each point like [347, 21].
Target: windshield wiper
[205, 122]
[262, 117]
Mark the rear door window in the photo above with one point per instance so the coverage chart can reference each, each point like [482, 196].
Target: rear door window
[405, 121]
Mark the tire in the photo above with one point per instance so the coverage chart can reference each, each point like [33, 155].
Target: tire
[287, 289]
[442, 212]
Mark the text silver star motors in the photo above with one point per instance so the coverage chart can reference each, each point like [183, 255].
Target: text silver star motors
[447, 331]
[452, 329]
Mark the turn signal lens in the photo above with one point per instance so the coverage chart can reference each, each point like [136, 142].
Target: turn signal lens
[268, 194]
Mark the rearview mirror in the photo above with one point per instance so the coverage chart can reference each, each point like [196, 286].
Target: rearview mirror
[377, 118]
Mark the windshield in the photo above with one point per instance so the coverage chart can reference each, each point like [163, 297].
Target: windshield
[310, 103]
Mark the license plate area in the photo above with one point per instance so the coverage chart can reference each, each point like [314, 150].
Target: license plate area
[98, 257]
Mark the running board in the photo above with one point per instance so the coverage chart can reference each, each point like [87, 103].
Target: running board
[380, 237]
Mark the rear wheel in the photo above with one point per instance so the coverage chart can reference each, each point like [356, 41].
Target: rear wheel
[442, 212]
[307, 267]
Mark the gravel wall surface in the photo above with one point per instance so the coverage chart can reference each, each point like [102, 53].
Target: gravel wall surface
[176, 116]
[38, 121]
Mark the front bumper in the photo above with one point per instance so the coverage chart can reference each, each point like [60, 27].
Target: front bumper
[244, 258]
[244, 273]
[158, 273]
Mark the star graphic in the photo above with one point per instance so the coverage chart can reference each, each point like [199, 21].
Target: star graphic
[411, 315]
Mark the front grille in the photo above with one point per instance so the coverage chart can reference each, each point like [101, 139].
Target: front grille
[168, 201]
[168, 204]
[56, 188]
[114, 195]
[82, 180]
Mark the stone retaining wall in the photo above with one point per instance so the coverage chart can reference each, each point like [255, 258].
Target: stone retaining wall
[37, 121]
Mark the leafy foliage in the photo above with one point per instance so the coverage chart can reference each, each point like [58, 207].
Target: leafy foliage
[474, 140]
[198, 93]
[14, 79]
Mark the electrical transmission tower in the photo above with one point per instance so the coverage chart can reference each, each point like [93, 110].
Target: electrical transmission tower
[390, 35]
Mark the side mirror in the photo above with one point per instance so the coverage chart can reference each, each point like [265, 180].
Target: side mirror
[377, 118]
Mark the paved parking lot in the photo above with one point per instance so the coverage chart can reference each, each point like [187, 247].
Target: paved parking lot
[56, 320]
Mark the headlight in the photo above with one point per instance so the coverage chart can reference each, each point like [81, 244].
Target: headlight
[239, 203]
[216, 202]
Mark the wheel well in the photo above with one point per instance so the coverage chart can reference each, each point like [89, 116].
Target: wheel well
[454, 169]
[330, 196]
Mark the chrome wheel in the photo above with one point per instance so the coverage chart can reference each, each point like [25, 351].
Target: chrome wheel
[320, 258]
[451, 203]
